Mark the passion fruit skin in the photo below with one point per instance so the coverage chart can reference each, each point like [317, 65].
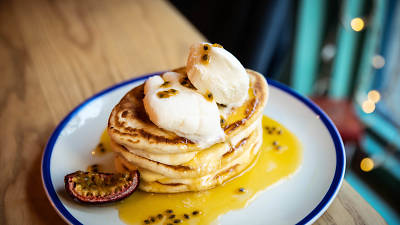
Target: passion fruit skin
[96, 188]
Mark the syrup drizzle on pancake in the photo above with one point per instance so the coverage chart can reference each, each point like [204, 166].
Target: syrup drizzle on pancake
[279, 157]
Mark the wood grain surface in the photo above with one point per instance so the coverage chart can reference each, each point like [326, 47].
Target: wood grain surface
[54, 54]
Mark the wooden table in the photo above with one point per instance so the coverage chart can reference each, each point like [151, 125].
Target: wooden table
[55, 54]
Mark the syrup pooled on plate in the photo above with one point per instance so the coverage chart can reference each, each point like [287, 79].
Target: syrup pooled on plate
[104, 145]
[279, 157]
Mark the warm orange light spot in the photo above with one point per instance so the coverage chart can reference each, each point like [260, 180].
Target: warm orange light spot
[374, 96]
[367, 164]
[368, 106]
[357, 24]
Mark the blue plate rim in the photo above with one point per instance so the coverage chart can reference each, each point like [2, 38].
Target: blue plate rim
[311, 217]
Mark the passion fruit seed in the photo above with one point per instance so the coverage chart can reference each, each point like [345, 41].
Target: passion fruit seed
[222, 121]
[205, 58]
[167, 93]
[209, 96]
[165, 84]
[186, 83]
[273, 130]
[99, 150]
[242, 190]
[94, 168]
[171, 217]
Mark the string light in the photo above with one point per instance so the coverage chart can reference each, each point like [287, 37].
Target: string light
[357, 24]
[368, 106]
[374, 96]
[367, 164]
[378, 61]
[328, 52]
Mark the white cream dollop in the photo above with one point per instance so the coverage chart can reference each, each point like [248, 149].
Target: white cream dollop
[219, 72]
[186, 112]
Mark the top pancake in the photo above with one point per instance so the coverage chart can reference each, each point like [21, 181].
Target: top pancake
[130, 126]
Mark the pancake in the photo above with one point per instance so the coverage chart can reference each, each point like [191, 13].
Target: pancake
[207, 161]
[174, 159]
[130, 127]
[230, 168]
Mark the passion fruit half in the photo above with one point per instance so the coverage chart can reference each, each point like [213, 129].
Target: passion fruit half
[99, 188]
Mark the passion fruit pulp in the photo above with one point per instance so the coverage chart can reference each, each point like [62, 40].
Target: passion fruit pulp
[99, 187]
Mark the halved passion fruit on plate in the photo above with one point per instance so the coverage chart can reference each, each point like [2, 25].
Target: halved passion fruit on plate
[98, 187]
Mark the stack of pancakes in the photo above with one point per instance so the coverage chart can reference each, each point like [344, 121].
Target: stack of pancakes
[169, 163]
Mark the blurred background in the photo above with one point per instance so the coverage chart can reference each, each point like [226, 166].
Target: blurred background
[344, 55]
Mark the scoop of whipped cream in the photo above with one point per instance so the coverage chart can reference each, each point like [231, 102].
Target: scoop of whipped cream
[173, 105]
[213, 69]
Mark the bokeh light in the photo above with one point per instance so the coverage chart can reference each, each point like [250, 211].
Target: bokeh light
[374, 96]
[357, 24]
[328, 52]
[367, 164]
[368, 106]
[378, 61]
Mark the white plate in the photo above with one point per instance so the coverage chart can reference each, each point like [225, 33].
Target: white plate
[299, 200]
